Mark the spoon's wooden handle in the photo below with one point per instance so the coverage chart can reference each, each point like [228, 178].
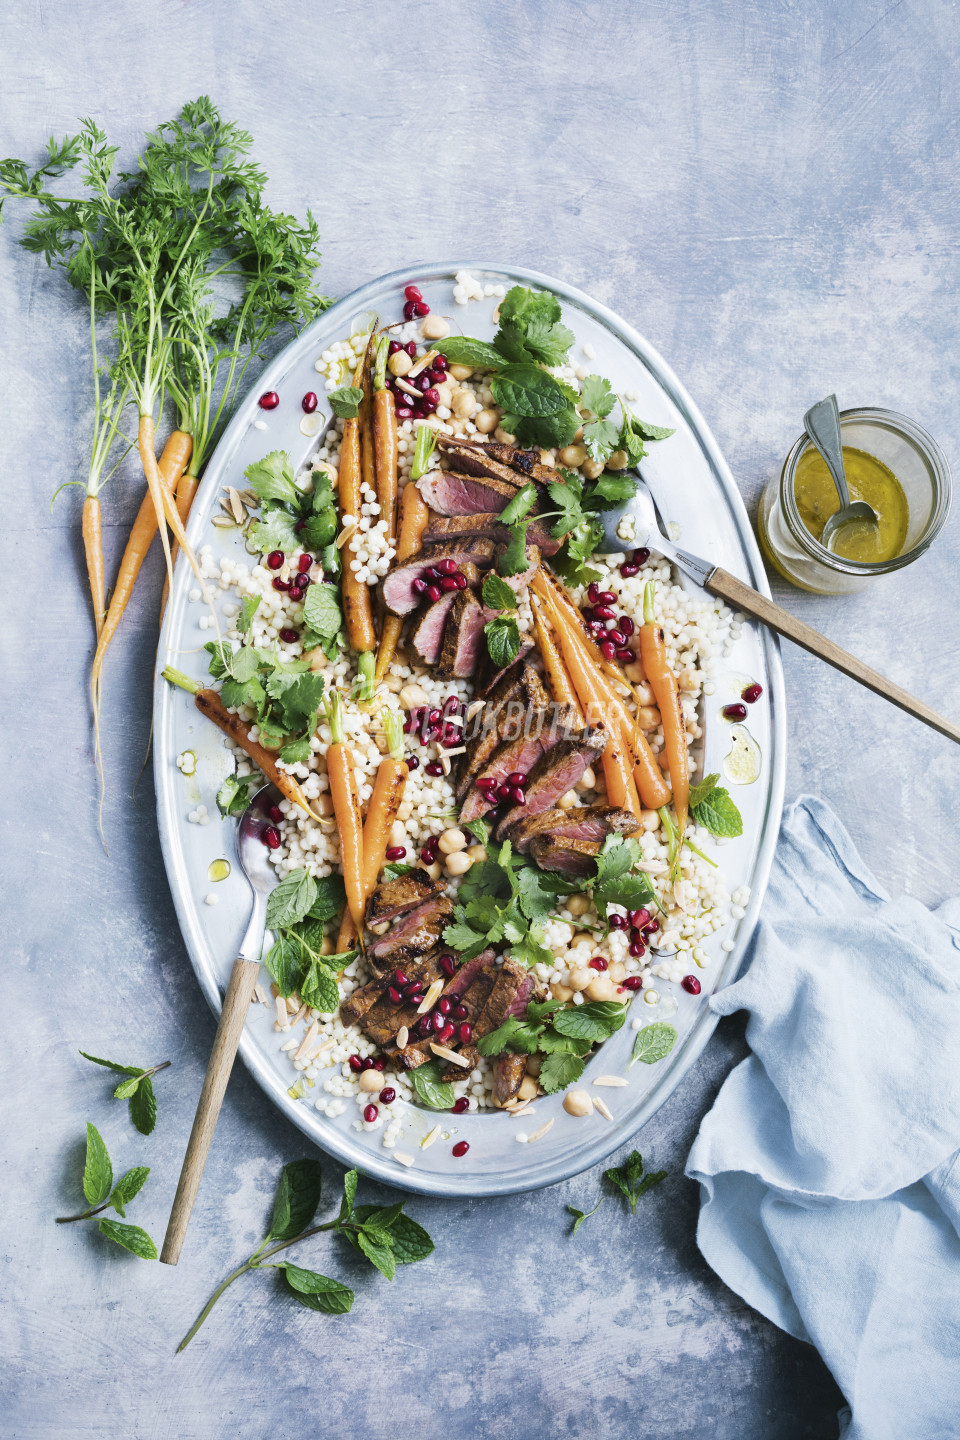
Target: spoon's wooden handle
[751, 602]
[236, 1003]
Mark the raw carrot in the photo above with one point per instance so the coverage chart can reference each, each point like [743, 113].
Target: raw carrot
[208, 702]
[346, 809]
[561, 686]
[413, 521]
[385, 438]
[385, 801]
[186, 489]
[663, 683]
[93, 552]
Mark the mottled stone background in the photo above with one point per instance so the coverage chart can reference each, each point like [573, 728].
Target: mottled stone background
[769, 192]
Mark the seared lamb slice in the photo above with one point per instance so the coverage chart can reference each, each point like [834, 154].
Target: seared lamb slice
[575, 858]
[444, 529]
[584, 822]
[453, 1073]
[463, 636]
[503, 720]
[413, 934]
[512, 990]
[557, 771]
[513, 755]
[449, 493]
[476, 995]
[526, 462]
[353, 1009]
[399, 595]
[508, 1073]
[427, 634]
[396, 897]
[492, 683]
[521, 581]
[496, 461]
[458, 985]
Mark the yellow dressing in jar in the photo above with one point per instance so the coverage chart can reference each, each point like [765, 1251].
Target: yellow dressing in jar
[868, 479]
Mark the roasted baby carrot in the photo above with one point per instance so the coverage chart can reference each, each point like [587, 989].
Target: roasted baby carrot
[385, 438]
[561, 686]
[346, 810]
[385, 801]
[413, 521]
[663, 683]
[357, 609]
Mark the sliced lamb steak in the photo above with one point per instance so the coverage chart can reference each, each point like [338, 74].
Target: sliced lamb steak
[519, 755]
[468, 972]
[512, 990]
[585, 822]
[362, 1000]
[492, 683]
[449, 493]
[496, 461]
[575, 858]
[444, 529]
[557, 771]
[396, 897]
[413, 934]
[399, 595]
[503, 720]
[527, 462]
[453, 1073]
[463, 637]
[508, 1073]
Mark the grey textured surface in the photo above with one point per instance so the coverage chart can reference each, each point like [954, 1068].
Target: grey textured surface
[769, 192]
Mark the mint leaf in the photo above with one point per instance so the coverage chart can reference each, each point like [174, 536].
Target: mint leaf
[462, 350]
[272, 479]
[597, 396]
[284, 962]
[248, 608]
[625, 1178]
[409, 1241]
[395, 869]
[143, 1107]
[112, 1064]
[316, 1291]
[503, 640]
[718, 814]
[321, 610]
[595, 1021]
[519, 506]
[497, 594]
[646, 431]
[653, 1042]
[126, 1088]
[345, 401]
[319, 987]
[291, 900]
[526, 390]
[378, 1253]
[127, 1187]
[581, 1215]
[131, 1237]
[559, 1071]
[331, 898]
[97, 1170]
[479, 829]
[298, 1196]
[706, 787]
[431, 1090]
[349, 1195]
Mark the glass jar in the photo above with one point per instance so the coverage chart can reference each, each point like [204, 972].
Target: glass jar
[918, 463]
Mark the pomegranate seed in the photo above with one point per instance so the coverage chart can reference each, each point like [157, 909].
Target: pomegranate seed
[379, 1063]
[618, 922]
[431, 397]
[269, 400]
[410, 310]
[503, 792]
[617, 638]
[608, 650]
[431, 573]
[641, 556]
[625, 624]
[301, 582]
[602, 612]
[387, 1095]
[485, 782]
[451, 706]
[517, 795]
[396, 852]
[446, 567]
[399, 978]
[652, 926]
[593, 593]
[355, 1063]
[636, 948]
[279, 584]
[628, 570]
[412, 988]
[394, 996]
[421, 382]
[288, 636]
[730, 712]
[434, 769]
[751, 694]
[309, 403]
[370, 1113]
[597, 963]
[691, 984]
[271, 838]
[624, 655]
[633, 982]
[460, 581]
[447, 1033]
[459, 1107]
[517, 778]
[460, 1148]
[448, 584]
[275, 813]
[430, 850]
[437, 377]
[411, 349]
[444, 1004]
[607, 597]
[460, 1012]
[639, 918]
[464, 1033]
[450, 737]
[433, 592]
[418, 586]
[368, 1062]
[413, 763]
[412, 293]
[394, 347]
[304, 563]
[404, 412]
[438, 1021]
[448, 965]
[275, 559]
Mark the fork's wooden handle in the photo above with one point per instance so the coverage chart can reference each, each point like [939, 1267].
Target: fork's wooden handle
[236, 1003]
[751, 602]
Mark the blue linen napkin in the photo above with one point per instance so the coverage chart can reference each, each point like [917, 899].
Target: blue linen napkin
[830, 1162]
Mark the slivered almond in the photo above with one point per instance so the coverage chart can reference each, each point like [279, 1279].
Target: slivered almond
[308, 1040]
[450, 1055]
[458, 750]
[423, 362]
[429, 1138]
[402, 1158]
[345, 534]
[293, 1004]
[281, 1020]
[525, 1109]
[609, 1080]
[409, 389]
[475, 708]
[603, 1107]
[288, 1045]
[403, 1035]
[445, 762]
[260, 994]
[539, 1134]
[432, 995]
[236, 505]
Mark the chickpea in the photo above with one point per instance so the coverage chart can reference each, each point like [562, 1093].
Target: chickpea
[634, 672]
[464, 404]
[649, 819]
[445, 391]
[323, 804]
[644, 694]
[592, 469]
[561, 992]
[528, 1088]
[583, 937]
[433, 870]
[413, 695]
[619, 460]
[400, 363]
[601, 987]
[370, 1080]
[587, 781]
[394, 684]
[318, 661]
[689, 680]
[477, 852]
[648, 717]
[578, 904]
[434, 327]
[569, 800]
[458, 863]
[504, 436]
[575, 1102]
[398, 833]
[461, 372]
[580, 979]
[533, 1064]
[486, 421]
[617, 972]
[573, 455]
[451, 841]
[548, 457]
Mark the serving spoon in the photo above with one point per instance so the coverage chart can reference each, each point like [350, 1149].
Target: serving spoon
[822, 424]
[253, 856]
[648, 532]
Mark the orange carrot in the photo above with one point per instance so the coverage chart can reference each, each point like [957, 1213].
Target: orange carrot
[208, 702]
[186, 489]
[357, 610]
[368, 453]
[385, 801]
[385, 438]
[545, 581]
[663, 683]
[561, 686]
[413, 521]
[348, 935]
[346, 809]
[93, 551]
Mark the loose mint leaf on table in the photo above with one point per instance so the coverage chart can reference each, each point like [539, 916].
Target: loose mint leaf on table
[581, 1215]
[291, 900]
[559, 1071]
[298, 1196]
[503, 640]
[626, 1179]
[653, 1042]
[130, 1237]
[127, 1187]
[595, 1021]
[349, 1195]
[143, 1107]
[126, 1088]
[345, 402]
[409, 1241]
[378, 1253]
[497, 594]
[431, 1090]
[316, 1291]
[462, 350]
[97, 1170]
[272, 479]
[112, 1065]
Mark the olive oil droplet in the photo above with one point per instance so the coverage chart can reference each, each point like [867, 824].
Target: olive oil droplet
[218, 870]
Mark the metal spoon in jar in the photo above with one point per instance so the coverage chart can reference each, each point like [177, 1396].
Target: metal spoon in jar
[822, 424]
[254, 862]
[648, 531]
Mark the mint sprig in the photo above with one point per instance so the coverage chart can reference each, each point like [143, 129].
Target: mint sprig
[137, 1089]
[712, 807]
[626, 1179]
[101, 1194]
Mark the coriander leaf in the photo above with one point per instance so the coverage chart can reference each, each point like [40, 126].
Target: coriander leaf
[616, 858]
[296, 752]
[315, 1291]
[378, 1254]
[462, 350]
[653, 1042]
[331, 898]
[597, 1020]
[97, 1170]
[597, 396]
[537, 897]
[650, 432]
[519, 506]
[718, 814]
[318, 530]
[539, 1010]
[513, 560]
[578, 547]
[567, 502]
[345, 402]
[581, 1215]
[431, 1090]
[143, 1107]
[131, 1237]
[245, 664]
[529, 950]
[248, 608]
[497, 594]
[487, 880]
[291, 900]
[526, 390]
[321, 609]
[503, 640]
[318, 988]
[284, 962]
[125, 1188]
[298, 1196]
[600, 438]
[462, 937]
[409, 1241]
[272, 479]
[613, 489]
[233, 693]
[112, 1064]
[559, 1071]
[276, 531]
[234, 794]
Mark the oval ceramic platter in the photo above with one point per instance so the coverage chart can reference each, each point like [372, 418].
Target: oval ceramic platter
[697, 495]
